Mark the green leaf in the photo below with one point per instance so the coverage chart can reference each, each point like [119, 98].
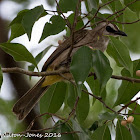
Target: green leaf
[101, 133]
[96, 109]
[93, 4]
[43, 14]
[16, 26]
[30, 17]
[67, 5]
[53, 99]
[94, 85]
[95, 88]
[18, 52]
[57, 25]
[39, 57]
[62, 129]
[122, 53]
[16, 31]
[19, 17]
[110, 5]
[108, 116]
[94, 126]
[134, 7]
[82, 108]
[132, 41]
[112, 53]
[5, 107]
[135, 132]
[1, 77]
[5, 110]
[119, 6]
[81, 65]
[87, 6]
[122, 132]
[101, 67]
[72, 95]
[128, 90]
[76, 127]
[79, 24]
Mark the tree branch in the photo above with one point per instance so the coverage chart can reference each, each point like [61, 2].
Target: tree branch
[126, 22]
[131, 102]
[133, 80]
[30, 73]
[73, 28]
[60, 72]
[97, 13]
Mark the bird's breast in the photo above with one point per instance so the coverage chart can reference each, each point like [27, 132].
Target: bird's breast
[101, 43]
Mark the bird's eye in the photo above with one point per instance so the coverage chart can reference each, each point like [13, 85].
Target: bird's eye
[109, 29]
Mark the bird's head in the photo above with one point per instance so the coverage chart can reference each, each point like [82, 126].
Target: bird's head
[110, 29]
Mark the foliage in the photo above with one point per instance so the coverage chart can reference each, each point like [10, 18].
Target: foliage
[61, 98]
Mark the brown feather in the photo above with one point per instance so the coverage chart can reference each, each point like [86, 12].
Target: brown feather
[25, 104]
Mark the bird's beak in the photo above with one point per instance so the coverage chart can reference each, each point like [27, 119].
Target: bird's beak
[120, 33]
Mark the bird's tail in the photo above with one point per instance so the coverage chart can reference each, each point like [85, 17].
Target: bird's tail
[26, 103]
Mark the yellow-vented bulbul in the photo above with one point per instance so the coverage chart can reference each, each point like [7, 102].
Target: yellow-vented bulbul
[96, 38]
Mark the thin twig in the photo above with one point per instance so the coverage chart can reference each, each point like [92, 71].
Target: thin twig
[117, 16]
[126, 22]
[135, 107]
[67, 21]
[122, 9]
[46, 113]
[131, 114]
[102, 20]
[97, 13]
[73, 29]
[133, 80]
[131, 102]
[100, 99]
[74, 109]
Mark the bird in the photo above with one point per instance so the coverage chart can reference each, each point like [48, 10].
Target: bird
[97, 38]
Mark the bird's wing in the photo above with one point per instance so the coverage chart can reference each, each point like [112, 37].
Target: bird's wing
[78, 36]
